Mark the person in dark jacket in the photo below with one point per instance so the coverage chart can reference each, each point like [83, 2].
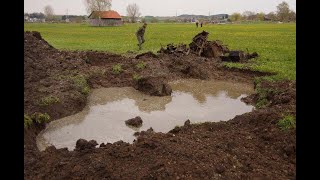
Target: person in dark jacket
[140, 35]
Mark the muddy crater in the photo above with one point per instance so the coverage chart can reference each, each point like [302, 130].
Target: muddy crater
[103, 119]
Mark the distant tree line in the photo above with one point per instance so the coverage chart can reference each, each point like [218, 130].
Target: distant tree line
[283, 14]
[35, 15]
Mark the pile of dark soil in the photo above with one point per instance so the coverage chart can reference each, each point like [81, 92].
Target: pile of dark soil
[200, 46]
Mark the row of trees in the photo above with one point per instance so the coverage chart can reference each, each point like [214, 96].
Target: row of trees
[48, 14]
[35, 15]
[283, 14]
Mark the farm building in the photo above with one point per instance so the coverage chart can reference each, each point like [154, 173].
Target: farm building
[105, 18]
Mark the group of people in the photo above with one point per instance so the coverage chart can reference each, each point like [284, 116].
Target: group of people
[141, 31]
[197, 24]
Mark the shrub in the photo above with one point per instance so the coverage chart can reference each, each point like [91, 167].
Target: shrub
[81, 83]
[85, 90]
[27, 121]
[141, 65]
[287, 122]
[117, 69]
[40, 118]
[46, 101]
[136, 77]
[37, 118]
[263, 94]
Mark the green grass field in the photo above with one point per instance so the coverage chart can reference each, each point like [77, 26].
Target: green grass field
[275, 43]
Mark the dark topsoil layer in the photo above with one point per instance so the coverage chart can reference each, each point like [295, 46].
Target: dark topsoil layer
[247, 147]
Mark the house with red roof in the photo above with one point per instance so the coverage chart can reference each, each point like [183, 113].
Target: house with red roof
[105, 18]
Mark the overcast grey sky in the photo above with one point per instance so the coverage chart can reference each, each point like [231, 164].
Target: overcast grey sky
[163, 7]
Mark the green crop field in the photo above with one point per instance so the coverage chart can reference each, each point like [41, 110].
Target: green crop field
[275, 43]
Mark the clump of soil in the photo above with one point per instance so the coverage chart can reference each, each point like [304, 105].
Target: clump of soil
[82, 144]
[135, 122]
[154, 86]
[202, 47]
[239, 56]
[144, 133]
[172, 49]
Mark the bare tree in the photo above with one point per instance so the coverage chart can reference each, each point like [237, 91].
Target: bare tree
[283, 11]
[97, 5]
[292, 16]
[248, 15]
[272, 16]
[133, 12]
[49, 13]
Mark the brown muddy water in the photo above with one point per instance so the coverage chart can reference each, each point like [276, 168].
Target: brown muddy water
[103, 119]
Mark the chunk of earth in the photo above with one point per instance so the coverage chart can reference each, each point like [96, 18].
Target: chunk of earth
[135, 122]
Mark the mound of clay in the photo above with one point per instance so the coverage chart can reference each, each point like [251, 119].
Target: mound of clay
[153, 86]
[82, 144]
[135, 122]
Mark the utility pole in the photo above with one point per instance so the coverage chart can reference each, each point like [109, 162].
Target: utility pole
[176, 15]
[67, 17]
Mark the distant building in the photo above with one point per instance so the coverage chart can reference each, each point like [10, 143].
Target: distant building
[267, 18]
[36, 20]
[105, 18]
[220, 18]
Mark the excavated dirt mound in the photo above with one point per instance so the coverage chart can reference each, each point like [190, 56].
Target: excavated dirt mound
[247, 147]
[200, 46]
[46, 72]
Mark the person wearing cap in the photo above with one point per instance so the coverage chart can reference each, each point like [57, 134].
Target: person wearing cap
[140, 35]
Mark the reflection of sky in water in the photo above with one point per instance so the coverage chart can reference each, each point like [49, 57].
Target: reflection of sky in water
[104, 120]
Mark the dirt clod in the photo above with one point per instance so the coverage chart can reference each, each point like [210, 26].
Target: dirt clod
[220, 169]
[135, 122]
[82, 144]
[153, 86]
[187, 123]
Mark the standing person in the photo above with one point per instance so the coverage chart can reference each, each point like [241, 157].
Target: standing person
[140, 35]
[197, 23]
[201, 23]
